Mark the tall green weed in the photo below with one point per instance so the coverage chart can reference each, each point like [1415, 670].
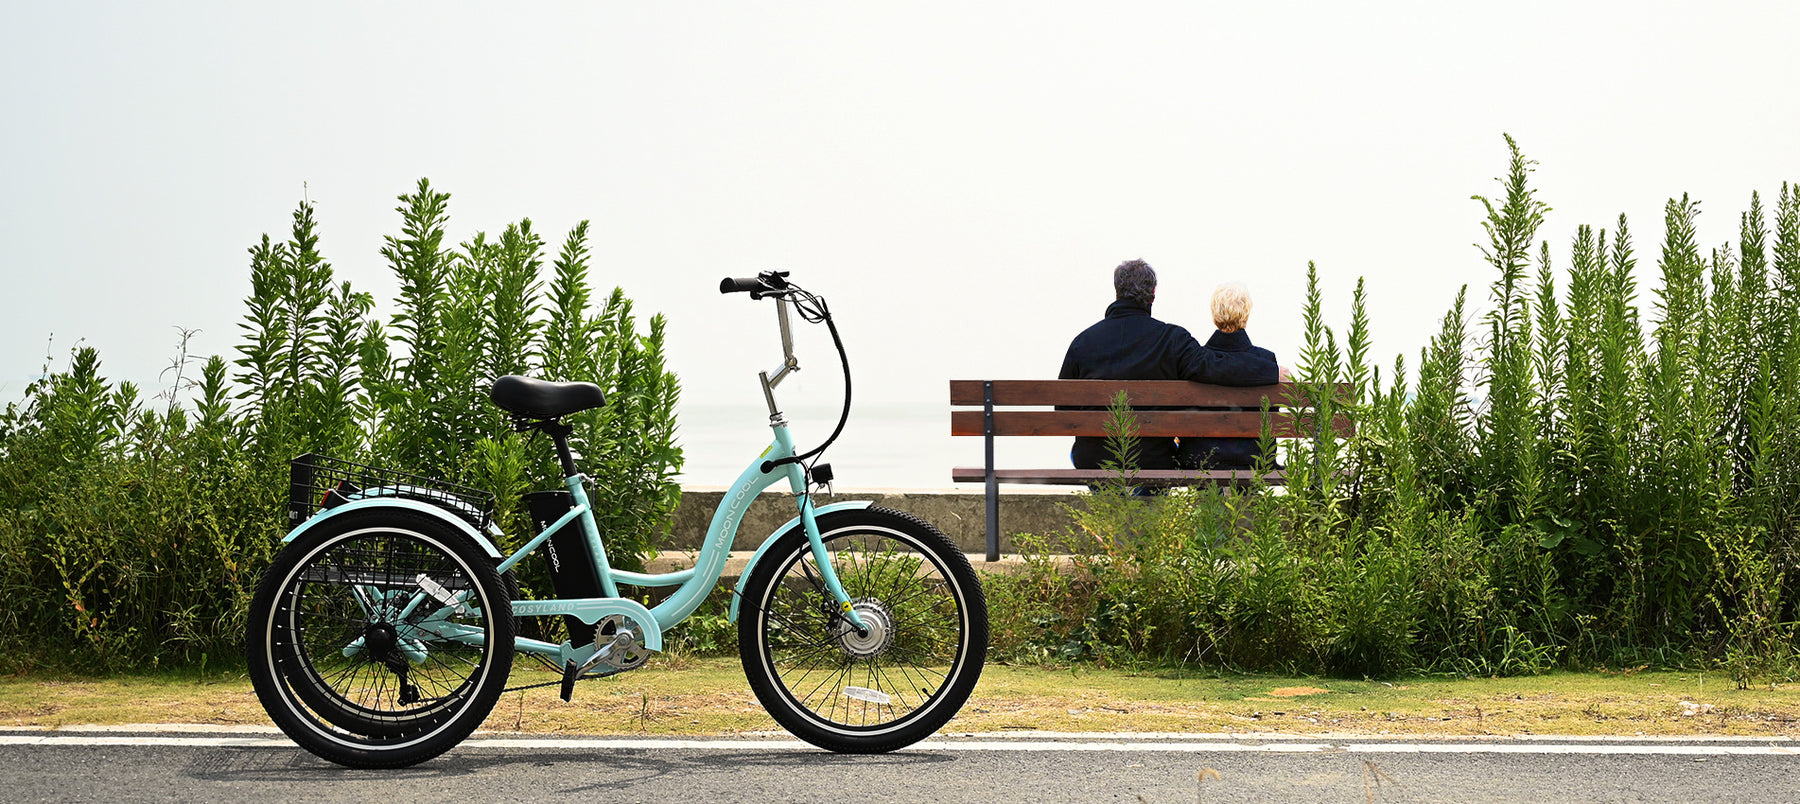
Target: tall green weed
[1564, 484]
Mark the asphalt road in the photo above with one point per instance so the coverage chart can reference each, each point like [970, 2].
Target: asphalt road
[126, 766]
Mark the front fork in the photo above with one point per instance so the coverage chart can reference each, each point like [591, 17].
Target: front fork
[827, 574]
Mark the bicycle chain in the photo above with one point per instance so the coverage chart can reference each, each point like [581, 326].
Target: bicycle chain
[558, 682]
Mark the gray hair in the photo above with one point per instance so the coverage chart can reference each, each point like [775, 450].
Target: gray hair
[1135, 280]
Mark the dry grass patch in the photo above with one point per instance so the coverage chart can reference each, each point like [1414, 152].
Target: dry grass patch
[696, 697]
[1296, 692]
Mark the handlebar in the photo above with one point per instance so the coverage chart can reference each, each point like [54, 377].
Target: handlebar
[813, 310]
[765, 283]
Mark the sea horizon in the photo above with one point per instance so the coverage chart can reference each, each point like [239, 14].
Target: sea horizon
[891, 446]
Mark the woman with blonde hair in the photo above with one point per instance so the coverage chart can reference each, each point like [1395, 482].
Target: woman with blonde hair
[1231, 314]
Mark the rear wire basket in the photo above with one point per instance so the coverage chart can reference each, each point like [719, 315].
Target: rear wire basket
[318, 482]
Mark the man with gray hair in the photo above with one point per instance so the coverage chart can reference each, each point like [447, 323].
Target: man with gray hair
[1130, 345]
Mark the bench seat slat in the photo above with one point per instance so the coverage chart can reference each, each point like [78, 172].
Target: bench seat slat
[1147, 477]
[1150, 423]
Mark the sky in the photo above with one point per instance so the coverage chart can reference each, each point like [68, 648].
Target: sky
[957, 178]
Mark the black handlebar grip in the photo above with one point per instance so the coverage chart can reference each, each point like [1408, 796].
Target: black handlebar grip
[729, 285]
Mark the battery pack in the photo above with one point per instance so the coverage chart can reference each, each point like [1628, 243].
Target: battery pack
[573, 573]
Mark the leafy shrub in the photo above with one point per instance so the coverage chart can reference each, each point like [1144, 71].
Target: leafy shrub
[131, 534]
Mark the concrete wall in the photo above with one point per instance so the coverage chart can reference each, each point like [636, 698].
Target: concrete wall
[959, 514]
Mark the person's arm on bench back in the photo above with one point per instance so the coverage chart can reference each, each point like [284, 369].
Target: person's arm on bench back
[1201, 364]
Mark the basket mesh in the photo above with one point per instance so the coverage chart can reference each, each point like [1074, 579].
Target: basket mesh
[318, 482]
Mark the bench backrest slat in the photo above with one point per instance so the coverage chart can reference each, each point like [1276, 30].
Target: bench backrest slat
[1099, 393]
[1150, 423]
[1290, 416]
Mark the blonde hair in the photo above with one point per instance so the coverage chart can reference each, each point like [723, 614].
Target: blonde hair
[1231, 307]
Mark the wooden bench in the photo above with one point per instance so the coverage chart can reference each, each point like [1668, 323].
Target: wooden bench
[981, 413]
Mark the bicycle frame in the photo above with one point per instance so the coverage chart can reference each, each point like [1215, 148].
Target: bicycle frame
[694, 584]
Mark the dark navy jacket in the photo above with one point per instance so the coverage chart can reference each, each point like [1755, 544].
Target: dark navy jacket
[1130, 345]
[1223, 453]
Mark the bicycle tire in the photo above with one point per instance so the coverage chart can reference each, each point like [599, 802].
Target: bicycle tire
[914, 669]
[316, 691]
[351, 653]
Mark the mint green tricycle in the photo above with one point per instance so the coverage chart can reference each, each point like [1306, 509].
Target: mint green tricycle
[384, 632]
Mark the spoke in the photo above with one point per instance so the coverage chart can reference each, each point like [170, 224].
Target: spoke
[921, 648]
[859, 569]
[802, 637]
[356, 622]
[921, 659]
[914, 685]
[838, 675]
[926, 617]
[338, 678]
[887, 686]
[932, 618]
[442, 660]
[918, 628]
[924, 589]
[821, 652]
[795, 677]
[808, 664]
[837, 691]
[794, 684]
[378, 680]
[798, 631]
[885, 559]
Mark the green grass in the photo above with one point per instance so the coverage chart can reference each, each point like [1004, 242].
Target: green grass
[698, 697]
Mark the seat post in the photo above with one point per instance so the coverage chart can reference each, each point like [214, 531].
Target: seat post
[559, 433]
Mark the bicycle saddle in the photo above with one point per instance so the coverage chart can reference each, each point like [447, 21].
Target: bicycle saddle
[541, 399]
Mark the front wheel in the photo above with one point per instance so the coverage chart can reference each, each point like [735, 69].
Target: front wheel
[876, 690]
[380, 638]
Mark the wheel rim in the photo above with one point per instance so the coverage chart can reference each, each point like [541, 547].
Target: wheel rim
[361, 646]
[910, 654]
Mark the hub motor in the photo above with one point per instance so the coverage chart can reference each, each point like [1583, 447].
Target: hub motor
[880, 636]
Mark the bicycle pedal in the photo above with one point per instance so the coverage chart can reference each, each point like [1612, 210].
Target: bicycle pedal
[570, 673]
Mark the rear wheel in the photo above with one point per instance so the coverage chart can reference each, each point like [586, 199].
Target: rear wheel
[868, 691]
[380, 638]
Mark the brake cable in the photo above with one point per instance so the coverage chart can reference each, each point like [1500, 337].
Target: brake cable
[813, 310]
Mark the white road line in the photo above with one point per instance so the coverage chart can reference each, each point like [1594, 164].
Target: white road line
[1715, 747]
[58, 740]
[1709, 750]
[1342, 737]
[929, 745]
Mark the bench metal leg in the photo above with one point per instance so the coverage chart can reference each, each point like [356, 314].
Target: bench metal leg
[993, 486]
[993, 521]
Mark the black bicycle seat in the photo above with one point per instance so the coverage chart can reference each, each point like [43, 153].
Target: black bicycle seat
[541, 399]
